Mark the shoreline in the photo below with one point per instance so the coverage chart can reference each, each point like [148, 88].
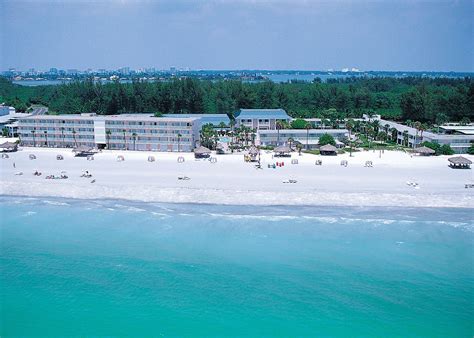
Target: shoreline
[231, 181]
[284, 209]
[361, 199]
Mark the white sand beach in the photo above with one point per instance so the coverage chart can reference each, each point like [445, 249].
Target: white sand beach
[232, 181]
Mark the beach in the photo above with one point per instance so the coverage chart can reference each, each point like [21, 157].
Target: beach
[232, 181]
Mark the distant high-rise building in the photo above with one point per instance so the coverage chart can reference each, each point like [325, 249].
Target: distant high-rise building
[124, 70]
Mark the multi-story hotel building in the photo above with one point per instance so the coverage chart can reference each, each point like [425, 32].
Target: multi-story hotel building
[261, 119]
[459, 142]
[126, 131]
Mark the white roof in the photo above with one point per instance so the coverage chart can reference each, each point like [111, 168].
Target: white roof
[468, 130]
[12, 116]
[303, 131]
[120, 117]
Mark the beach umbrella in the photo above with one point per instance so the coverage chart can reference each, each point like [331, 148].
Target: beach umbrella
[282, 150]
[459, 162]
[425, 151]
[9, 146]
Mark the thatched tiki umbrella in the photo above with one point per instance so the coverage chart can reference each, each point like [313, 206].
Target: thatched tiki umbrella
[202, 152]
[328, 149]
[424, 151]
[9, 146]
[282, 151]
[459, 162]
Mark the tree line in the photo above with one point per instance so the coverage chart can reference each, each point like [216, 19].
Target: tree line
[429, 100]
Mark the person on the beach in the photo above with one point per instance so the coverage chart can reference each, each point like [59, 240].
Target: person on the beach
[14, 166]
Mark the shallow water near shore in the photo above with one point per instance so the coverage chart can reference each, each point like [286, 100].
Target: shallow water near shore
[74, 267]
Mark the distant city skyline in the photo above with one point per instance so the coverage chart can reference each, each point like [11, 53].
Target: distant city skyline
[237, 35]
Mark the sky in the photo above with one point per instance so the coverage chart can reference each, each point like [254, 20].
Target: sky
[238, 34]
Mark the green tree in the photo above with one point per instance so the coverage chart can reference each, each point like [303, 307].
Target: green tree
[446, 150]
[298, 124]
[433, 145]
[470, 150]
[326, 139]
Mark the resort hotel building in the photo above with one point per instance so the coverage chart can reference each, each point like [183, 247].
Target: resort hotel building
[261, 119]
[309, 138]
[171, 132]
[459, 138]
[126, 131]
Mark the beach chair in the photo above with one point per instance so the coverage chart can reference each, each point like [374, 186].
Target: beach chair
[32, 157]
[59, 157]
[294, 161]
[180, 159]
[90, 158]
[120, 158]
[5, 156]
[151, 158]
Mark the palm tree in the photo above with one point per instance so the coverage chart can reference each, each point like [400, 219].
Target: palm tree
[253, 135]
[370, 132]
[422, 128]
[299, 147]
[179, 139]
[34, 138]
[417, 126]
[74, 136]
[134, 137]
[308, 126]
[290, 141]
[107, 136]
[62, 136]
[232, 130]
[405, 137]
[124, 139]
[279, 126]
[46, 137]
[376, 125]
[349, 127]
[394, 134]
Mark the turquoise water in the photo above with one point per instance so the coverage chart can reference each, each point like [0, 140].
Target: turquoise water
[115, 268]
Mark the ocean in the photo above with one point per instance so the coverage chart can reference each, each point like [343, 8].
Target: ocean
[115, 268]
